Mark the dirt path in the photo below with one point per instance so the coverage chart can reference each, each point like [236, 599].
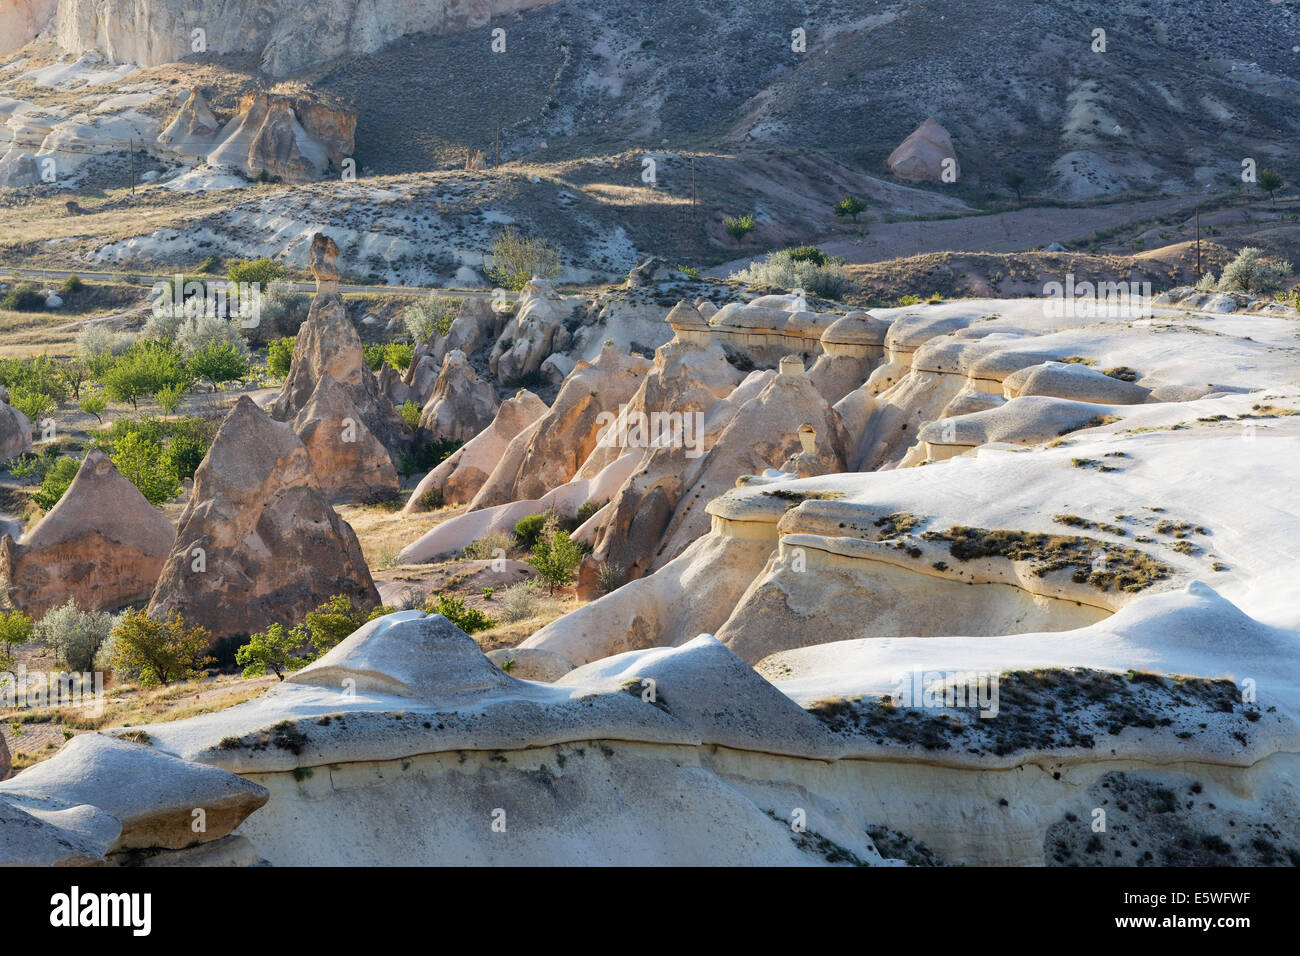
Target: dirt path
[1017, 231]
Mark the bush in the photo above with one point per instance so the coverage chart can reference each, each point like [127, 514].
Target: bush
[148, 366]
[429, 316]
[1253, 274]
[219, 362]
[555, 557]
[71, 286]
[276, 650]
[410, 412]
[284, 309]
[40, 375]
[159, 651]
[279, 357]
[468, 619]
[529, 529]
[517, 258]
[738, 227]
[24, 298]
[610, 577]
[210, 266]
[263, 271]
[97, 343]
[201, 331]
[784, 271]
[56, 481]
[75, 635]
[162, 324]
[490, 546]
[15, 629]
[169, 397]
[143, 464]
[1207, 283]
[520, 601]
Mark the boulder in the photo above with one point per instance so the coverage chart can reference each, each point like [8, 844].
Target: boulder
[151, 794]
[460, 477]
[272, 548]
[15, 432]
[461, 405]
[103, 544]
[920, 157]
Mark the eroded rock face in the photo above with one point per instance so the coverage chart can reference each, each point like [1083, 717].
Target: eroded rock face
[459, 478]
[351, 464]
[103, 544]
[549, 452]
[194, 128]
[462, 404]
[272, 547]
[920, 157]
[297, 140]
[536, 330]
[285, 35]
[21, 21]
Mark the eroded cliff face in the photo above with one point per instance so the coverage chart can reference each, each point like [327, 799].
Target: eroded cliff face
[286, 35]
[21, 21]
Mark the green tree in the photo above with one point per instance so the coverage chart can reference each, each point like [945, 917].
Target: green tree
[95, 404]
[144, 369]
[142, 463]
[15, 629]
[555, 557]
[279, 356]
[160, 651]
[262, 271]
[738, 227]
[276, 650]
[337, 618]
[410, 412]
[1270, 182]
[1015, 180]
[56, 482]
[218, 363]
[169, 397]
[454, 609]
[850, 206]
[1254, 274]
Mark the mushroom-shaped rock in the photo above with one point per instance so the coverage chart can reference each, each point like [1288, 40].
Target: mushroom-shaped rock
[410, 654]
[458, 479]
[461, 405]
[151, 794]
[921, 157]
[269, 546]
[103, 545]
[351, 464]
[1074, 381]
[721, 697]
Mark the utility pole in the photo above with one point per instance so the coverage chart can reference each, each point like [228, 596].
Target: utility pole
[132, 167]
[1198, 243]
[498, 162]
[692, 188]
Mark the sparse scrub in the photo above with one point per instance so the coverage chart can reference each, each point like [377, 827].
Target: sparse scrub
[821, 276]
[1254, 274]
[517, 258]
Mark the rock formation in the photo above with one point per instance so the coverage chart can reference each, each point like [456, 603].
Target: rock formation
[258, 542]
[534, 332]
[103, 545]
[461, 405]
[350, 463]
[15, 431]
[285, 36]
[458, 479]
[920, 157]
[21, 21]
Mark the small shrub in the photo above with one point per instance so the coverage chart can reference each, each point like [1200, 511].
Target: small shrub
[159, 651]
[23, 298]
[1207, 283]
[410, 412]
[276, 650]
[610, 577]
[335, 620]
[497, 544]
[529, 529]
[15, 629]
[738, 227]
[169, 397]
[784, 271]
[555, 557]
[517, 258]
[850, 206]
[468, 619]
[520, 601]
[429, 316]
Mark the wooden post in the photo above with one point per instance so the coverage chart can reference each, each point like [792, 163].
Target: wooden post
[1198, 243]
[133, 167]
[498, 162]
[692, 187]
